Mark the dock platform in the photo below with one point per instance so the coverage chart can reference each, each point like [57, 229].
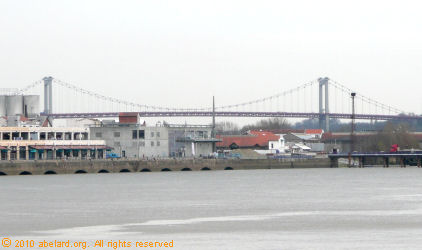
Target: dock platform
[402, 158]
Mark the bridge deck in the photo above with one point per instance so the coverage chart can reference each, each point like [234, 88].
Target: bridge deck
[233, 114]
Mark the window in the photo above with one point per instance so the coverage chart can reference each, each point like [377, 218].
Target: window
[142, 144]
[76, 136]
[152, 134]
[134, 134]
[6, 136]
[98, 135]
[33, 136]
[158, 143]
[84, 136]
[24, 135]
[141, 134]
[117, 144]
[158, 134]
[15, 136]
[116, 134]
[68, 136]
[152, 144]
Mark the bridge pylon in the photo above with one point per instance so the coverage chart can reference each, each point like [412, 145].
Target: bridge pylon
[48, 94]
[324, 107]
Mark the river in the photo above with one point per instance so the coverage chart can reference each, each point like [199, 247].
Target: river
[369, 208]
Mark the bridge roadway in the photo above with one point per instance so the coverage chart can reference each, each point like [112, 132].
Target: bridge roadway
[233, 114]
[116, 166]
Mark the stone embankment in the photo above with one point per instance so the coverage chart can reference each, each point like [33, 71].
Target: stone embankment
[116, 166]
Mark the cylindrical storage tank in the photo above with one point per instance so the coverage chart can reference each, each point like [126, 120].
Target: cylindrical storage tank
[2, 105]
[31, 105]
[14, 105]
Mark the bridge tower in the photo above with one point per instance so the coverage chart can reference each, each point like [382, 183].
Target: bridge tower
[48, 94]
[324, 112]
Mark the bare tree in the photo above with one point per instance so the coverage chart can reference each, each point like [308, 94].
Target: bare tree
[227, 128]
[391, 134]
[272, 123]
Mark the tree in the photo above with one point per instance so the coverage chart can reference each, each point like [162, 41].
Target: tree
[227, 128]
[389, 135]
[267, 124]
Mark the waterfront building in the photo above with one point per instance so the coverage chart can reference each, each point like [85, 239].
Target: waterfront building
[33, 143]
[132, 138]
[190, 140]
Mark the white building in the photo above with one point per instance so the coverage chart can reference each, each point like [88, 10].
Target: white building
[130, 138]
[32, 143]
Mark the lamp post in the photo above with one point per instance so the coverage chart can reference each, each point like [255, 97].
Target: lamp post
[352, 132]
[213, 124]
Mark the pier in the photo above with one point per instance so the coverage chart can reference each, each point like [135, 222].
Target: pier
[400, 158]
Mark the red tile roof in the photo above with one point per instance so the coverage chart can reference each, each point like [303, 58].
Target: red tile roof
[286, 131]
[254, 138]
[23, 118]
[314, 131]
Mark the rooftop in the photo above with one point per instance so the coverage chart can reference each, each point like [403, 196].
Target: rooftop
[254, 138]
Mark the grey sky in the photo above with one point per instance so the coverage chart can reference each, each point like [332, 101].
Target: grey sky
[180, 53]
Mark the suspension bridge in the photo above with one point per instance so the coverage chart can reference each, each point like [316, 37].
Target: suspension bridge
[320, 99]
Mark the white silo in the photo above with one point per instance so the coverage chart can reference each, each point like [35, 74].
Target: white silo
[2, 105]
[14, 105]
[31, 105]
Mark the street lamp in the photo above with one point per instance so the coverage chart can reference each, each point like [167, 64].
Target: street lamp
[353, 94]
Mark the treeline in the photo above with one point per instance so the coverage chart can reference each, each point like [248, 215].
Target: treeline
[227, 127]
[231, 128]
[385, 138]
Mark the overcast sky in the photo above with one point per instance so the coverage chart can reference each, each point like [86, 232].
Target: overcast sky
[180, 53]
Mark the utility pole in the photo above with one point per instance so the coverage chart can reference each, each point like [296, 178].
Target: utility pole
[213, 124]
[352, 132]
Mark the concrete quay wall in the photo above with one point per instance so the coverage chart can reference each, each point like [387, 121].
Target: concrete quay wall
[115, 166]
